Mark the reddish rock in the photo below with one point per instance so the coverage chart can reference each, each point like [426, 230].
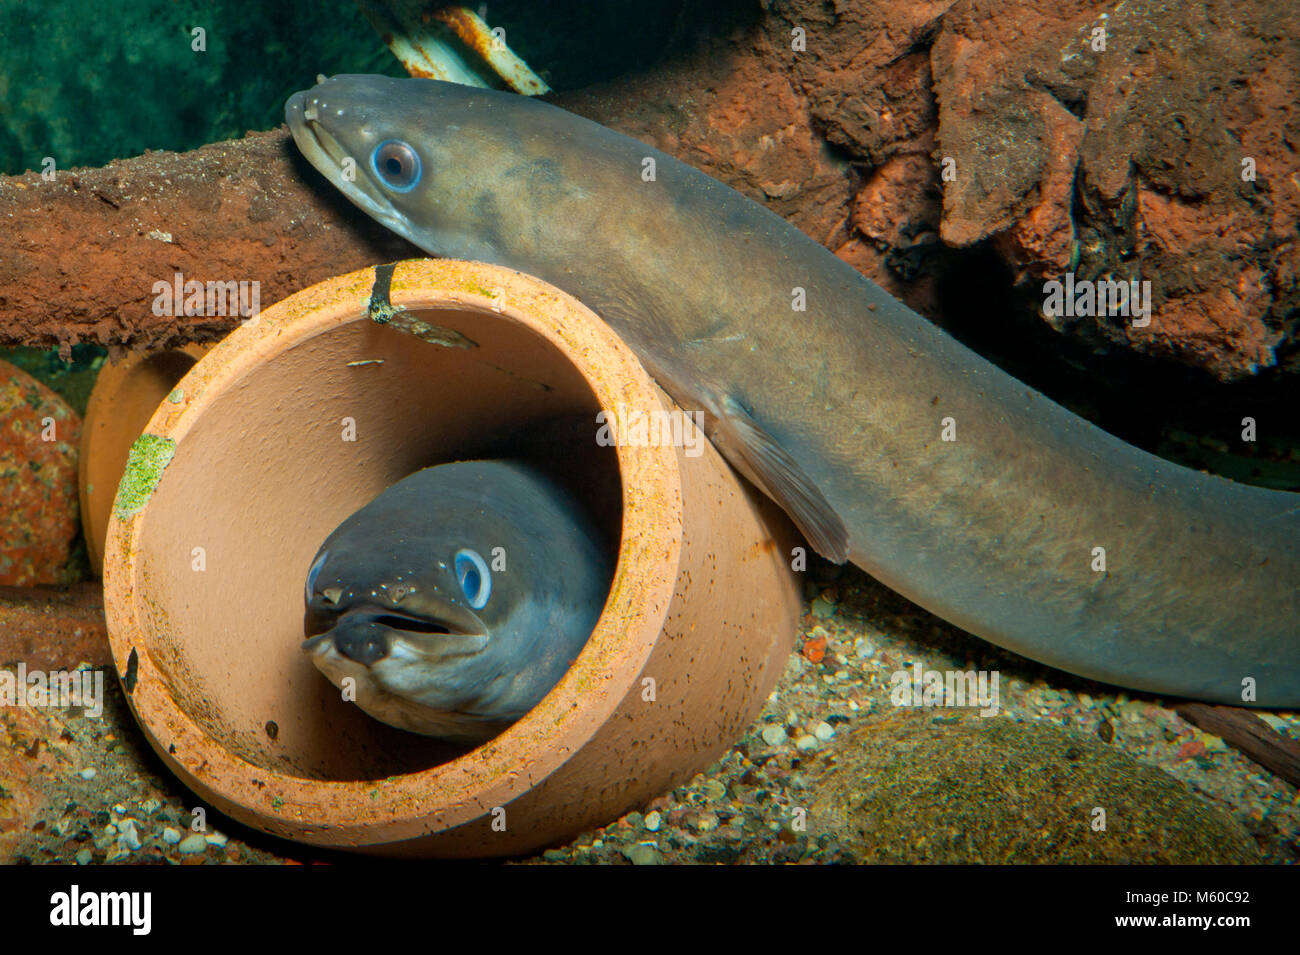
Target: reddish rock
[39, 435]
[814, 649]
[52, 629]
[1127, 161]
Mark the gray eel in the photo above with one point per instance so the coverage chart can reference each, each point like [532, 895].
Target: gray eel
[837, 411]
[457, 598]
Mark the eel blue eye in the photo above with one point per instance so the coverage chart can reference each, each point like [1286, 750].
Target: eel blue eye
[474, 576]
[312, 574]
[396, 164]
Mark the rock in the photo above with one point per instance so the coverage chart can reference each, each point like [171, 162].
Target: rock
[171, 835]
[906, 789]
[806, 743]
[193, 844]
[1100, 175]
[129, 836]
[774, 734]
[652, 821]
[824, 731]
[642, 855]
[117, 853]
[39, 435]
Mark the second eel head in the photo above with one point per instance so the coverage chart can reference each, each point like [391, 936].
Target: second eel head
[456, 599]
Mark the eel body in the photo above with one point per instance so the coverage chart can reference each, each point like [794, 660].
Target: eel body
[457, 598]
[888, 442]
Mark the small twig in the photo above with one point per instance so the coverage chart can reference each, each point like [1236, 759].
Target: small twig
[1243, 730]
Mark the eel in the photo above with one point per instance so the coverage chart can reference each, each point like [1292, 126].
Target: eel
[457, 598]
[888, 442]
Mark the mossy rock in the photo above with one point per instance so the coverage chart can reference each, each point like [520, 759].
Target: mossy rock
[911, 787]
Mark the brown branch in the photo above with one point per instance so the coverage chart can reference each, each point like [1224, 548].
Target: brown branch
[1246, 732]
[79, 256]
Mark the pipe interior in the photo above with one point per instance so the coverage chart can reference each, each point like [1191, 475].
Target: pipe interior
[284, 454]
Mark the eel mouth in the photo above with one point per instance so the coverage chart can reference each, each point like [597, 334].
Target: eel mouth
[445, 618]
[327, 154]
[367, 633]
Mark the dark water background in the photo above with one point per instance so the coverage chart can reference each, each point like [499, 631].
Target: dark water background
[86, 82]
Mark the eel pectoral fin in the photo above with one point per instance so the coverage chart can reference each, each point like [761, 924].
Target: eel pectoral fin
[770, 466]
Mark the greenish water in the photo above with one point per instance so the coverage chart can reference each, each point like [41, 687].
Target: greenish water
[82, 82]
[85, 83]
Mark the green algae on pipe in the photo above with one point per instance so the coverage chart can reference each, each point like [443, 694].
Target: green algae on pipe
[1030, 528]
[149, 457]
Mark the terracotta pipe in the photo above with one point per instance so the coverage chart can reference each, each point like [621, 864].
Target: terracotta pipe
[234, 486]
[125, 396]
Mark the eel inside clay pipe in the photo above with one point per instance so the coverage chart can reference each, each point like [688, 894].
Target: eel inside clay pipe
[836, 411]
[412, 597]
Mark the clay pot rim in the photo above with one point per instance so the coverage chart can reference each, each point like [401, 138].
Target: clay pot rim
[492, 774]
[102, 437]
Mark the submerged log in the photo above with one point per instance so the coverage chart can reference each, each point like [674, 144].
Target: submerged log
[80, 255]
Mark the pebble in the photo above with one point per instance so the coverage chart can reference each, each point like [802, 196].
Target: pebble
[85, 856]
[863, 648]
[641, 854]
[88, 773]
[130, 838]
[774, 734]
[806, 743]
[215, 838]
[822, 608]
[715, 790]
[117, 854]
[193, 844]
[1278, 724]
[824, 731]
[171, 835]
[652, 821]
[150, 806]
